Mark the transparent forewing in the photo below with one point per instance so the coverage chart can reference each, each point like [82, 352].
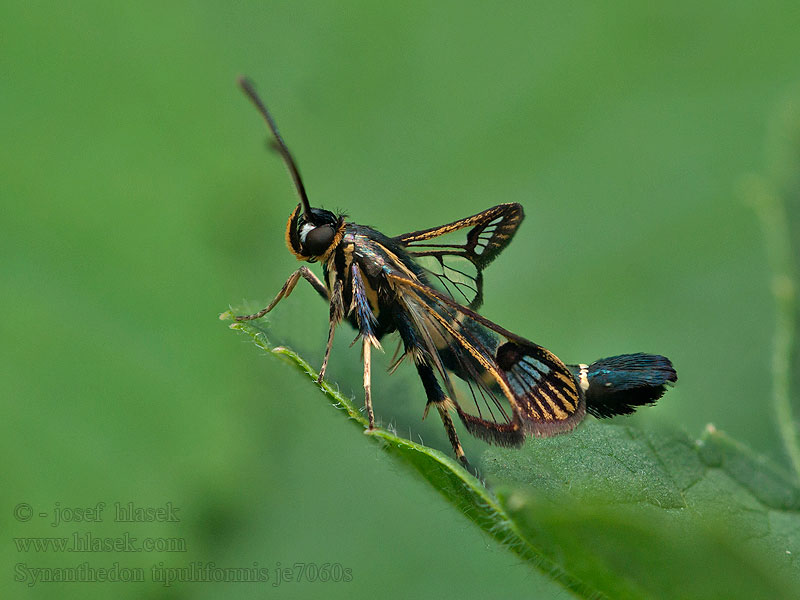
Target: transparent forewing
[456, 254]
[454, 274]
[512, 385]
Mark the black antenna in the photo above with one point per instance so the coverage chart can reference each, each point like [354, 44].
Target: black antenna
[247, 88]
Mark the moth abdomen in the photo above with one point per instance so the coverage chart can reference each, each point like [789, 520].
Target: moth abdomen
[617, 385]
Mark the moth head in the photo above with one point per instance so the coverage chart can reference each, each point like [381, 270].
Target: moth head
[313, 234]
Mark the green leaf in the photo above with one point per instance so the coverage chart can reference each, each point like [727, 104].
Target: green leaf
[653, 514]
[613, 511]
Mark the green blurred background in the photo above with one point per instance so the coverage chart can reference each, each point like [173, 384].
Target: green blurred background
[138, 202]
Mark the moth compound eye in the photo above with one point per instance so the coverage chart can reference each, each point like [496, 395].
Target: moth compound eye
[316, 240]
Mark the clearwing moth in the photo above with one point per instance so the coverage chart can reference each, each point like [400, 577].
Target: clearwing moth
[427, 286]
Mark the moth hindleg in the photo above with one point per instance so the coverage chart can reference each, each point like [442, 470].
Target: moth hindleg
[439, 399]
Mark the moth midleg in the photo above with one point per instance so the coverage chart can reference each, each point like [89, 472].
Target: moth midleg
[367, 348]
[286, 290]
[337, 310]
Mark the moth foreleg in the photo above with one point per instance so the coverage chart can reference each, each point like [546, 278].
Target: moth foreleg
[286, 290]
[337, 310]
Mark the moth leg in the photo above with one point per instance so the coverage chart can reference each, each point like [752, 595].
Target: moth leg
[337, 310]
[359, 305]
[367, 347]
[287, 288]
[438, 398]
[415, 346]
[452, 435]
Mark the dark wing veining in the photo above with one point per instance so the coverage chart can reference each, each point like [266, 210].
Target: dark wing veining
[541, 395]
[456, 258]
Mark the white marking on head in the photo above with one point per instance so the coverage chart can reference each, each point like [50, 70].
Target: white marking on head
[305, 230]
